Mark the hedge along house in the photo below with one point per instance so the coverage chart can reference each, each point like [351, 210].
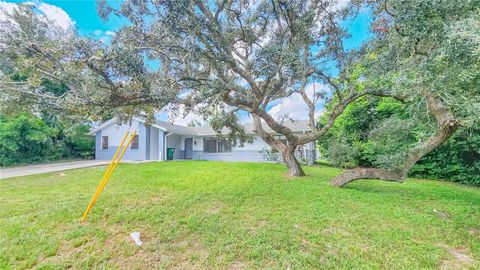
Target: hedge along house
[197, 143]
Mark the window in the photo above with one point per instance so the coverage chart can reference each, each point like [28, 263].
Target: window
[214, 145]
[210, 145]
[282, 138]
[134, 144]
[104, 142]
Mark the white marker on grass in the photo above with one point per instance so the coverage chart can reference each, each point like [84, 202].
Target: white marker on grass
[136, 237]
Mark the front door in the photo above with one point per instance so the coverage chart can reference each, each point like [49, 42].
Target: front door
[188, 148]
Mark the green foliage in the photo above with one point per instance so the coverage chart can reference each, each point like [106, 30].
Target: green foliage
[375, 132]
[270, 154]
[341, 154]
[457, 160]
[429, 45]
[360, 122]
[79, 143]
[27, 139]
[61, 70]
[221, 120]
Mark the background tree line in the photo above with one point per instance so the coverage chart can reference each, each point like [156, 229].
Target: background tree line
[26, 138]
[370, 134]
[32, 130]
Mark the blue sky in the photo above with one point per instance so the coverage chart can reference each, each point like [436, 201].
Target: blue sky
[84, 15]
[359, 30]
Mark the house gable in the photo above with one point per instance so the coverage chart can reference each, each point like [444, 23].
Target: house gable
[115, 133]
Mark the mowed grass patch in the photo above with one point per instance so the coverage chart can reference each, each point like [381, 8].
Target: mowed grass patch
[204, 215]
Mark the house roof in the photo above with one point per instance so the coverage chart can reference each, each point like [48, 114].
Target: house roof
[177, 129]
[295, 126]
[115, 120]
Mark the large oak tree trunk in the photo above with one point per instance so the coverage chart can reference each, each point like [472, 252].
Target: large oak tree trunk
[446, 127]
[294, 167]
[287, 150]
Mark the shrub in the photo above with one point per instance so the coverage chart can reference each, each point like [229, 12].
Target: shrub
[28, 139]
[373, 132]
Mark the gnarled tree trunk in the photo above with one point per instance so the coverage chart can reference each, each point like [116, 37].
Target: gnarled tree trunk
[446, 127]
[287, 150]
[294, 167]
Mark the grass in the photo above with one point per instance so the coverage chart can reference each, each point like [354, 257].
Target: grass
[203, 214]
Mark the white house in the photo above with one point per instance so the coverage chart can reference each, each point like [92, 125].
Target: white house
[199, 143]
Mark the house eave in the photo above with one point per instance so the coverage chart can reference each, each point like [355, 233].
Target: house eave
[114, 121]
[102, 126]
[193, 133]
[249, 133]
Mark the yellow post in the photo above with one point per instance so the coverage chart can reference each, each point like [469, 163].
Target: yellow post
[109, 172]
[112, 162]
[117, 162]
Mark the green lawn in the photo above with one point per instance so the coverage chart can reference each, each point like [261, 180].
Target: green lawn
[203, 214]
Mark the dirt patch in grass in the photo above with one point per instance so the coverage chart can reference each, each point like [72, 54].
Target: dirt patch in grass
[442, 214]
[305, 245]
[236, 266]
[336, 230]
[460, 258]
[215, 208]
[474, 231]
[187, 254]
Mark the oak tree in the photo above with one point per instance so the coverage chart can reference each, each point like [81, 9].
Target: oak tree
[247, 55]
[426, 52]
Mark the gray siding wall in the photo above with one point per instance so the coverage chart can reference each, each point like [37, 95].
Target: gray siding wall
[175, 141]
[98, 144]
[161, 145]
[249, 156]
[147, 143]
[154, 150]
[130, 154]
[235, 155]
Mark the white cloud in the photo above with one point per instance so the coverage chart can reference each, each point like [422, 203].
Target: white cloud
[6, 8]
[295, 108]
[52, 13]
[104, 37]
[176, 116]
[187, 119]
[342, 4]
[57, 15]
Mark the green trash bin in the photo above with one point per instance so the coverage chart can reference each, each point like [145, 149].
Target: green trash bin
[170, 152]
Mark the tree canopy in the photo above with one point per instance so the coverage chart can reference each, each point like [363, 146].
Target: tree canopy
[245, 55]
[428, 53]
[220, 57]
[72, 73]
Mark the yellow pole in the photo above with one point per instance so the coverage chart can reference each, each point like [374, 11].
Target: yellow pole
[110, 166]
[117, 162]
[108, 173]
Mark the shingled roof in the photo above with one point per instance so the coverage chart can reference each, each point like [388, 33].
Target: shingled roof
[295, 126]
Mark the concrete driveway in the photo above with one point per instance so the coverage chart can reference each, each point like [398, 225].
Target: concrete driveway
[45, 168]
